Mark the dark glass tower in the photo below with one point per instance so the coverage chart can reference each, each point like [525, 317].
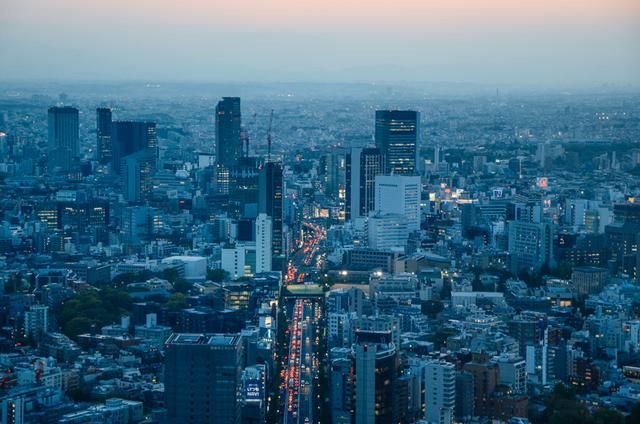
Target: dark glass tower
[64, 138]
[202, 377]
[129, 137]
[397, 133]
[228, 142]
[270, 201]
[104, 148]
[363, 165]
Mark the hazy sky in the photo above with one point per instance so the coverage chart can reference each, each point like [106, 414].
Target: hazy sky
[540, 42]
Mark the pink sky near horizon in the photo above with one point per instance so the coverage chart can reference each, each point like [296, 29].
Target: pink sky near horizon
[337, 33]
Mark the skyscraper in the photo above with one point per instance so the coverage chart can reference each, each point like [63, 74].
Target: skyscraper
[128, 137]
[440, 392]
[64, 138]
[397, 137]
[203, 378]
[399, 194]
[530, 245]
[137, 170]
[228, 140]
[104, 148]
[270, 202]
[363, 166]
[264, 233]
[376, 372]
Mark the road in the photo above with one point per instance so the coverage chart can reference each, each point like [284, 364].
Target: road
[306, 259]
[302, 363]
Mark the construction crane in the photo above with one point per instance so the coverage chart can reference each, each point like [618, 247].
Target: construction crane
[269, 137]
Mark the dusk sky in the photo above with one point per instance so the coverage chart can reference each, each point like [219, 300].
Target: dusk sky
[542, 42]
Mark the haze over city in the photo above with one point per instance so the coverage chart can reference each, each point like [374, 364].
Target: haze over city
[533, 43]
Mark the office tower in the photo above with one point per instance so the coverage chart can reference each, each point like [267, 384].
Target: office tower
[203, 378]
[464, 397]
[530, 245]
[333, 168]
[137, 224]
[363, 166]
[137, 171]
[264, 232]
[440, 392]
[623, 237]
[270, 202]
[244, 183]
[387, 232]
[512, 372]
[342, 386]
[64, 138]
[104, 148]
[129, 137]
[589, 279]
[228, 141]
[376, 373]
[397, 136]
[36, 321]
[399, 194]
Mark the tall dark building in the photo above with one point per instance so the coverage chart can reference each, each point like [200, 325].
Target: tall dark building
[244, 186]
[104, 148]
[228, 140]
[376, 373]
[202, 378]
[623, 238]
[270, 201]
[362, 167]
[397, 135]
[64, 138]
[129, 137]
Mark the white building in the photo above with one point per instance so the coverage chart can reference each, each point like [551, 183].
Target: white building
[239, 260]
[195, 267]
[399, 195]
[36, 320]
[439, 392]
[387, 232]
[512, 372]
[263, 243]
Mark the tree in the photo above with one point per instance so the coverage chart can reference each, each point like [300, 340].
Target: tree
[92, 308]
[181, 286]
[176, 302]
[216, 275]
[634, 416]
[431, 308]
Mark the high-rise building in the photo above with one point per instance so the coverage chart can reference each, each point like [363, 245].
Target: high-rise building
[129, 137]
[137, 170]
[362, 168]
[270, 202]
[228, 123]
[263, 243]
[333, 172]
[376, 372]
[399, 194]
[387, 232]
[64, 136]
[440, 392]
[623, 238]
[36, 320]
[104, 147]
[203, 378]
[530, 245]
[397, 136]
